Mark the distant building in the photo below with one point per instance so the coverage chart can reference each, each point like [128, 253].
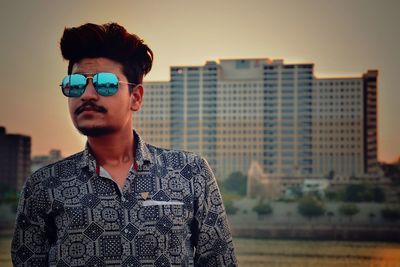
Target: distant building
[345, 125]
[259, 184]
[392, 170]
[317, 186]
[15, 159]
[155, 120]
[236, 111]
[372, 179]
[43, 160]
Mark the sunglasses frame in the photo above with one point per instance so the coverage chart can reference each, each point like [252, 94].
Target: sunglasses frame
[88, 76]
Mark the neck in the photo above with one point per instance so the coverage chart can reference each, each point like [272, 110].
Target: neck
[113, 149]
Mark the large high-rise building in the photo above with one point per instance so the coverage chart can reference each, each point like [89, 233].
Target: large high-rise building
[280, 115]
[153, 123]
[288, 119]
[345, 125]
[15, 159]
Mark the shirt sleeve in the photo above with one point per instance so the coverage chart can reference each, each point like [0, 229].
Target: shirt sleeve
[30, 244]
[211, 234]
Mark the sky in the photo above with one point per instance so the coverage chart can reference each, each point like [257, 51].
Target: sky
[341, 37]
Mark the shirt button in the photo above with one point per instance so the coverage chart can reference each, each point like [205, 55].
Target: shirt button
[126, 230]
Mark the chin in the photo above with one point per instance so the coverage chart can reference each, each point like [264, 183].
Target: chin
[95, 131]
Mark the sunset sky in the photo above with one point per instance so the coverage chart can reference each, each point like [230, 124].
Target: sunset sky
[342, 38]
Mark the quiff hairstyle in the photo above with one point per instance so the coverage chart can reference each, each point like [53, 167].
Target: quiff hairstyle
[111, 41]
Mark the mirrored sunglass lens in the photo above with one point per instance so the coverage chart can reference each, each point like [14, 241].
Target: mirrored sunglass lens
[74, 85]
[106, 83]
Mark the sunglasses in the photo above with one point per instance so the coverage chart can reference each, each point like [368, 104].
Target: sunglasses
[105, 84]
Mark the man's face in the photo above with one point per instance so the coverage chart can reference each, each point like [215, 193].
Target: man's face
[96, 115]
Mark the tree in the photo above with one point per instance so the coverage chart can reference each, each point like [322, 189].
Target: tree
[289, 214]
[360, 192]
[354, 193]
[330, 214]
[371, 216]
[230, 207]
[378, 194]
[235, 183]
[349, 210]
[331, 195]
[310, 207]
[8, 195]
[391, 214]
[262, 209]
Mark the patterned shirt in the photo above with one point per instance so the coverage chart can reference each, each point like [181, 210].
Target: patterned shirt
[169, 213]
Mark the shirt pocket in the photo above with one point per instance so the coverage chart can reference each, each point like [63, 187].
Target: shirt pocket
[164, 215]
[148, 203]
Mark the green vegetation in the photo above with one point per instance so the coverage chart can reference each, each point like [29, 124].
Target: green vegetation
[310, 207]
[235, 183]
[391, 214]
[284, 253]
[363, 193]
[330, 214]
[262, 209]
[261, 252]
[229, 200]
[9, 196]
[349, 210]
[371, 216]
[230, 207]
[332, 195]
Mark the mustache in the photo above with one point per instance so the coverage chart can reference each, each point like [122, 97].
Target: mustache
[97, 108]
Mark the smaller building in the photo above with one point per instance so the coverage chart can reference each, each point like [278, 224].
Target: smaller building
[15, 159]
[43, 160]
[316, 186]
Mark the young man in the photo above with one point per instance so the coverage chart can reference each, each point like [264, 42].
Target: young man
[120, 202]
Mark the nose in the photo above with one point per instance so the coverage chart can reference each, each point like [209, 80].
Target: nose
[90, 93]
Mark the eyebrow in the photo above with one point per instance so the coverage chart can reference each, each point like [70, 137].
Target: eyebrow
[91, 74]
[85, 73]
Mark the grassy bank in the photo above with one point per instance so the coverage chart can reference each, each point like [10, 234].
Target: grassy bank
[284, 253]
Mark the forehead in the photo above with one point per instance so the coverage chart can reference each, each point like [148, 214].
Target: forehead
[94, 65]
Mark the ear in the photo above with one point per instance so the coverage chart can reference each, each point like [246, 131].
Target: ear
[137, 97]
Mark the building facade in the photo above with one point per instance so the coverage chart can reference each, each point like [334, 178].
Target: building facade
[15, 159]
[238, 111]
[345, 125]
[288, 119]
[153, 122]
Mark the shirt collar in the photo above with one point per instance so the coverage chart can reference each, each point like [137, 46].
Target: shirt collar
[142, 154]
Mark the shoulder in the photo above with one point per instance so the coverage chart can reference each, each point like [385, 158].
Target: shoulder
[66, 167]
[37, 185]
[174, 157]
[190, 165]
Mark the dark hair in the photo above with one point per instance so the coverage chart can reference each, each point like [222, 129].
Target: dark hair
[109, 40]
